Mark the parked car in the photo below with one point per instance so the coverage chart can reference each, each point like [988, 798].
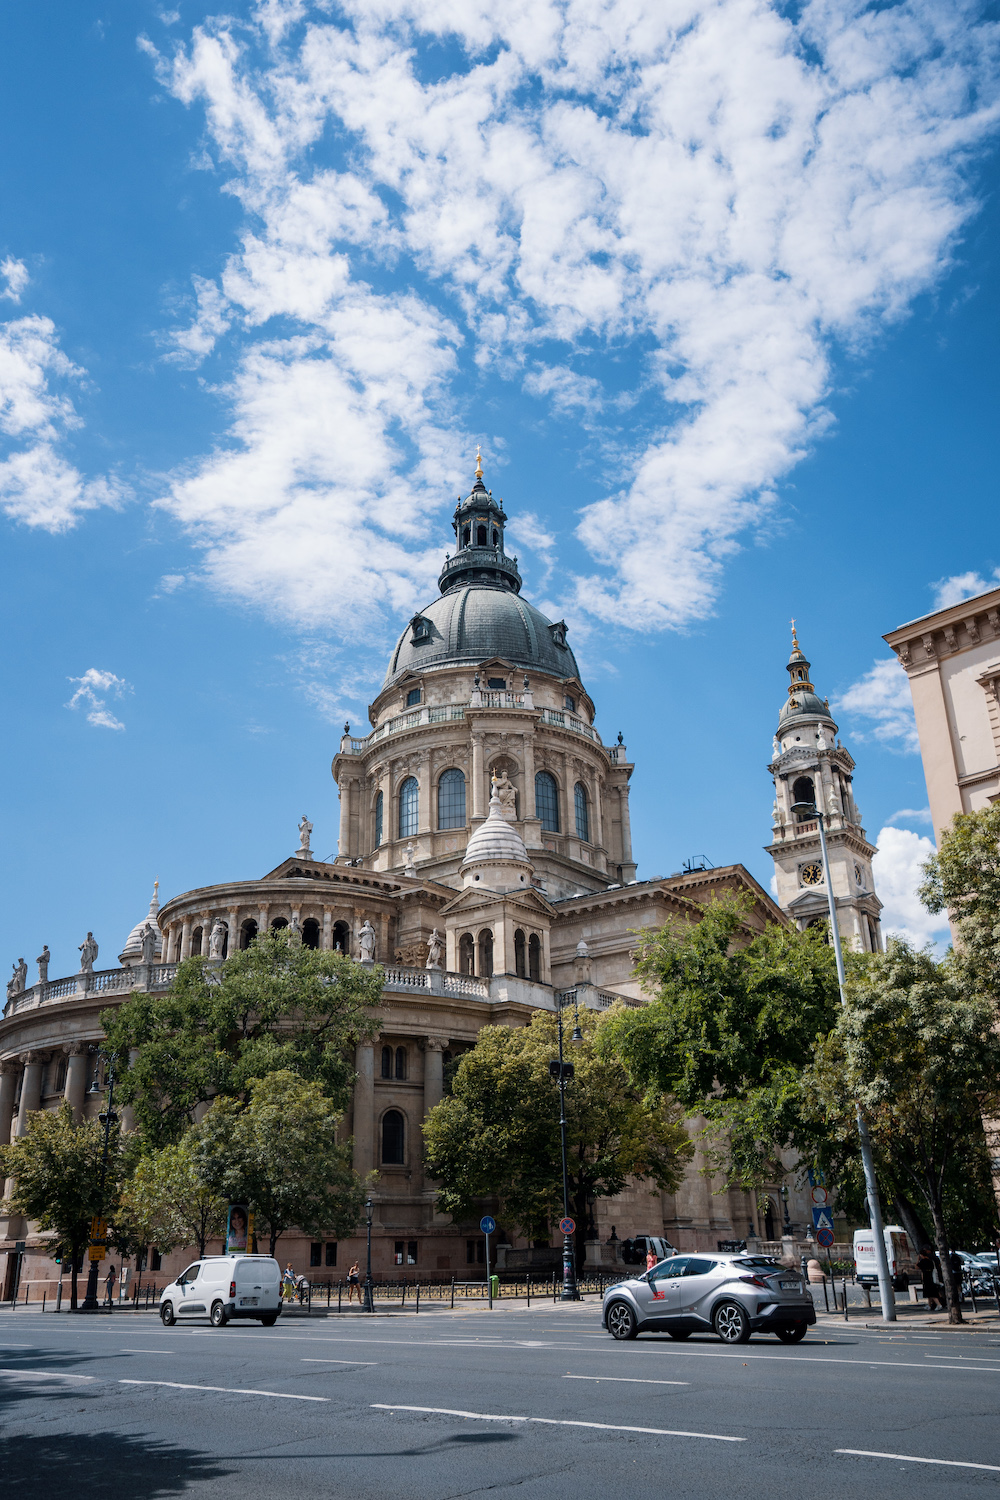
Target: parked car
[221, 1287]
[634, 1251]
[730, 1295]
[901, 1255]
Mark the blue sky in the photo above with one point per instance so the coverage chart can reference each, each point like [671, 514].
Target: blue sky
[715, 286]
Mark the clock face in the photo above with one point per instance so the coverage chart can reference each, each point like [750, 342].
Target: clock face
[811, 874]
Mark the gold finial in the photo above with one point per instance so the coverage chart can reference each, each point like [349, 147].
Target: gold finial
[479, 462]
[795, 639]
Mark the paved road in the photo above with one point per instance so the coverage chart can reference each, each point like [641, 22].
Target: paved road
[538, 1404]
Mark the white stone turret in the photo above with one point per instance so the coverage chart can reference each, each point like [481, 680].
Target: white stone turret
[495, 856]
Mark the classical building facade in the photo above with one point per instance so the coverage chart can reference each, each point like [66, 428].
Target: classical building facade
[485, 860]
[811, 768]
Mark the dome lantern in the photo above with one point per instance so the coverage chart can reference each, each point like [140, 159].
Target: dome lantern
[478, 524]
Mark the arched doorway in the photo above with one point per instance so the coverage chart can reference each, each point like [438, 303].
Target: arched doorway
[341, 938]
[486, 952]
[466, 954]
[310, 933]
[248, 932]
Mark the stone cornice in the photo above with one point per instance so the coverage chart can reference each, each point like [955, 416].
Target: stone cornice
[944, 633]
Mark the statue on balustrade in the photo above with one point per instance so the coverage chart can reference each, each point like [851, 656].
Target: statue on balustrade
[88, 952]
[504, 789]
[21, 974]
[305, 832]
[434, 951]
[43, 965]
[217, 940]
[149, 944]
[366, 943]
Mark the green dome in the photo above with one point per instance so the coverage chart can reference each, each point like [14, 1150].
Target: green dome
[473, 623]
[803, 705]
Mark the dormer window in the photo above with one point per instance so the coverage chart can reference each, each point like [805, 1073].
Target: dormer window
[412, 697]
[569, 703]
[559, 634]
[496, 682]
[420, 630]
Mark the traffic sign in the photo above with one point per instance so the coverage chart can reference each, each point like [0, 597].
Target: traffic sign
[487, 1225]
[823, 1218]
[825, 1237]
[820, 1195]
[567, 1226]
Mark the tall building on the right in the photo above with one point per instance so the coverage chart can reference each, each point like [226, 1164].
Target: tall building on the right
[952, 658]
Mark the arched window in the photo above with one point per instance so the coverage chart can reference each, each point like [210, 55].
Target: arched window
[400, 1062]
[393, 1138]
[466, 954]
[582, 815]
[451, 799]
[534, 958]
[341, 937]
[496, 537]
[486, 952]
[60, 1075]
[378, 820]
[278, 923]
[547, 801]
[248, 932]
[409, 802]
[482, 536]
[196, 942]
[386, 1062]
[520, 955]
[466, 535]
[804, 791]
[310, 933]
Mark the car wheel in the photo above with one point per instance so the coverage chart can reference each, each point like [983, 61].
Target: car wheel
[269, 1319]
[218, 1317]
[732, 1324]
[167, 1315]
[679, 1333]
[622, 1322]
[794, 1334]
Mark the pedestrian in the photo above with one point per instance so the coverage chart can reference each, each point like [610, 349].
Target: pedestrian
[288, 1284]
[651, 1260]
[927, 1265]
[354, 1283]
[956, 1267]
[109, 1287]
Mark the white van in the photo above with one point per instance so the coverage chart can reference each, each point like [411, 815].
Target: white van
[221, 1287]
[900, 1254]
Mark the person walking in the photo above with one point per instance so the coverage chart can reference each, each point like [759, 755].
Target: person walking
[109, 1287]
[288, 1284]
[651, 1260]
[354, 1283]
[927, 1265]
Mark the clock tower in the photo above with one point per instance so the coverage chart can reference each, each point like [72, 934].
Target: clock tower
[809, 764]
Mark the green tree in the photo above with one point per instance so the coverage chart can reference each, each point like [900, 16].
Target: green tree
[963, 878]
[169, 1203]
[279, 1153]
[57, 1170]
[732, 1023]
[275, 1006]
[922, 1059]
[497, 1135]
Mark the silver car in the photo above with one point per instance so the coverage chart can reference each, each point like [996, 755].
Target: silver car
[730, 1295]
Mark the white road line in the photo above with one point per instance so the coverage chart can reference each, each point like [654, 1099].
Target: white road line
[169, 1352]
[910, 1458]
[966, 1358]
[17, 1346]
[225, 1390]
[482, 1416]
[48, 1375]
[307, 1361]
[863, 1363]
[626, 1379]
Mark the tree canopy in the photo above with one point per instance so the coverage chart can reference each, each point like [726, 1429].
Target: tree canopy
[963, 877]
[167, 1201]
[275, 1006]
[497, 1134]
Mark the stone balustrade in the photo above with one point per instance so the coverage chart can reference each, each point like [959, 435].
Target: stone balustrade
[148, 977]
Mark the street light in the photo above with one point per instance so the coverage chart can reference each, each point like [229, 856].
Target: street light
[369, 1298]
[562, 1071]
[786, 1226]
[108, 1117]
[809, 810]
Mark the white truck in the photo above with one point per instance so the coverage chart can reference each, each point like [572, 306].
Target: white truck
[901, 1255]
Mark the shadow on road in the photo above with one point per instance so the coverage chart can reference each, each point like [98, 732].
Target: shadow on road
[94, 1465]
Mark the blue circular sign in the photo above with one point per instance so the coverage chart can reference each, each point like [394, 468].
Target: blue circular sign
[825, 1237]
[487, 1225]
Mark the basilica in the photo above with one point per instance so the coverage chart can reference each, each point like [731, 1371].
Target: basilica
[485, 862]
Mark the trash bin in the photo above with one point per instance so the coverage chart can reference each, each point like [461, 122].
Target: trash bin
[495, 1287]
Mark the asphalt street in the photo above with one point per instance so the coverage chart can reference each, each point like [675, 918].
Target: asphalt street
[540, 1404]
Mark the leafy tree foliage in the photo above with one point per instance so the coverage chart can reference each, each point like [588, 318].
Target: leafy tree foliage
[922, 1058]
[963, 877]
[497, 1134]
[279, 1153]
[275, 1006]
[168, 1203]
[732, 1023]
[57, 1170]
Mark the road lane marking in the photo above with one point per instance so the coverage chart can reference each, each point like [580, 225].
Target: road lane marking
[224, 1390]
[863, 1363]
[627, 1379]
[482, 1416]
[910, 1458]
[47, 1375]
[169, 1352]
[307, 1361]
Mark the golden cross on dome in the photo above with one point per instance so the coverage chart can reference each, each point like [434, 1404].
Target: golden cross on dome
[795, 639]
[479, 461]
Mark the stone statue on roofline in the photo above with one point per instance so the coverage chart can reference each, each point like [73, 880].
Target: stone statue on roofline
[217, 938]
[305, 833]
[434, 950]
[43, 965]
[148, 944]
[88, 952]
[366, 943]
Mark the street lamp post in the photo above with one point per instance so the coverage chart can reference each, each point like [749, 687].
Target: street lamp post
[107, 1117]
[886, 1290]
[562, 1071]
[786, 1225]
[369, 1298]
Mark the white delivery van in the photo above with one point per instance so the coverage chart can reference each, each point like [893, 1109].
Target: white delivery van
[221, 1287]
[900, 1254]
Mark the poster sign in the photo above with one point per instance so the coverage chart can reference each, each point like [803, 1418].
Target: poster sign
[239, 1228]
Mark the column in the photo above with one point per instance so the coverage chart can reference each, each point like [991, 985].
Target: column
[424, 803]
[528, 797]
[478, 778]
[31, 1088]
[433, 1073]
[262, 914]
[364, 1109]
[326, 941]
[76, 1080]
[128, 1113]
[186, 938]
[234, 931]
[9, 1070]
[597, 831]
[626, 825]
[344, 842]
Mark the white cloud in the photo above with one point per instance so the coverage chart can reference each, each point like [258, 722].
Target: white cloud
[961, 586]
[911, 815]
[171, 582]
[882, 696]
[897, 871]
[92, 692]
[730, 190]
[38, 485]
[194, 343]
[15, 274]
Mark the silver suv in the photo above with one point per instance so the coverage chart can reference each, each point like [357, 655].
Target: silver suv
[732, 1295]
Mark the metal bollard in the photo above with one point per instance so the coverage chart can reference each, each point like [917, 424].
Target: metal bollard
[845, 1299]
[529, 1289]
[453, 1294]
[59, 1296]
[418, 1297]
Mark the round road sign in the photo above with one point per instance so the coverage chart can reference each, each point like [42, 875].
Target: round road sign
[824, 1237]
[567, 1226]
[819, 1196]
[487, 1225]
